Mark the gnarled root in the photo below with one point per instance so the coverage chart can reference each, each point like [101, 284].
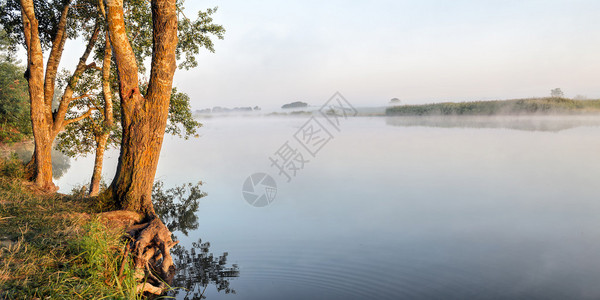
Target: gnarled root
[151, 243]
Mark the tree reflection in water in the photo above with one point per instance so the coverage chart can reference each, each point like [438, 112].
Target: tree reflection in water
[196, 267]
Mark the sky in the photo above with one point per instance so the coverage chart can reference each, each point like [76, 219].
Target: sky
[425, 51]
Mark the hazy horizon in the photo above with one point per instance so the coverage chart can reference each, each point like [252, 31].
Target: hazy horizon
[420, 52]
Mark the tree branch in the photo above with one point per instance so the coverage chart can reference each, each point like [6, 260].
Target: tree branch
[86, 95]
[58, 45]
[85, 115]
[164, 38]
[65, 100]
[106, 89]
[93, 66]
[126, 63]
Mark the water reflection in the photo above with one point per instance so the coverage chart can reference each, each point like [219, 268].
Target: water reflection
[197, 268]
[60, 162]
[527, 123]
[434, 213]
[177, 207]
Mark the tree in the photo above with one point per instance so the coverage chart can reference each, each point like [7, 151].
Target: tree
[96, 135]
[148, 30]
[14, 101]
[556, 93]
[50, 31]
[394, 101]
[144, 119]
[144, 115]
[60, 20]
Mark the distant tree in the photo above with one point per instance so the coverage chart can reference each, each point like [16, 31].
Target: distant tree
[580, 97]
[395, 101]
[296, 104]
[556, 93]
[14, 97]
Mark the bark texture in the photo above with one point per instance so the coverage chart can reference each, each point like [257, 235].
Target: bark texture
[102, 137]
[46, 124]
[143, 119]
[40, 120]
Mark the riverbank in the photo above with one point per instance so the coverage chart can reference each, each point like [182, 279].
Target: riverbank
[499, 107]
[53, 246]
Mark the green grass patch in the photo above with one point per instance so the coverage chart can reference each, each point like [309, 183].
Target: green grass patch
[51, 247]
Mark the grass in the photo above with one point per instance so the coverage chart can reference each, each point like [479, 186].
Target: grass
[51, 247]
[499, 107]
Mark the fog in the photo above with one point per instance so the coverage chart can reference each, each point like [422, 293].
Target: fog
[551, 123]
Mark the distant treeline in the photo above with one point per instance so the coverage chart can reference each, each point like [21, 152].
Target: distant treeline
[499, 107]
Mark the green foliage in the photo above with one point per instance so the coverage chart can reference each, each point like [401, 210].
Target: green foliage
[79, 138]
[180, 115]
[100, 254]
[48, 13]
[15, 122]
[506, 107]
[193, 35]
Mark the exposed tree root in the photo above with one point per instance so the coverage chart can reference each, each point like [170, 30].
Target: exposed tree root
[150, 244]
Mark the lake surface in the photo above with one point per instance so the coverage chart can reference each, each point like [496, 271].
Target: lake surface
[393, 209]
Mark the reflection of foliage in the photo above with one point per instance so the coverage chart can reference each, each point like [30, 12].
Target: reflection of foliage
[177, 206]
[60, 164]
[197, 268]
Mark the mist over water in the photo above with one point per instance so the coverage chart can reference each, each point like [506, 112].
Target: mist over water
[394, 208]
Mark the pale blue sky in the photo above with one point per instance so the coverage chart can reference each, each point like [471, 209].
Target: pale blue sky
[425, 51]
[419, 51]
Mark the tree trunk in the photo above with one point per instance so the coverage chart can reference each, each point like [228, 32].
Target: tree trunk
[143, 118]
[45, 124]
[42, 160]
[108, 123]
[97, 174]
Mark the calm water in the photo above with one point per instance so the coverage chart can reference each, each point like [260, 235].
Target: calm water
[392, 209]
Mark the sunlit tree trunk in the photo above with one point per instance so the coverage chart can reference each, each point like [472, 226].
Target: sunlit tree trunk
[102, 138]
[46, 124]
[41, 171]
[143, 118]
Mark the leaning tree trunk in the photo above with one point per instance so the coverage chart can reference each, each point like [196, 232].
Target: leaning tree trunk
[46, 124]
[143, 118]
[41, 163]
